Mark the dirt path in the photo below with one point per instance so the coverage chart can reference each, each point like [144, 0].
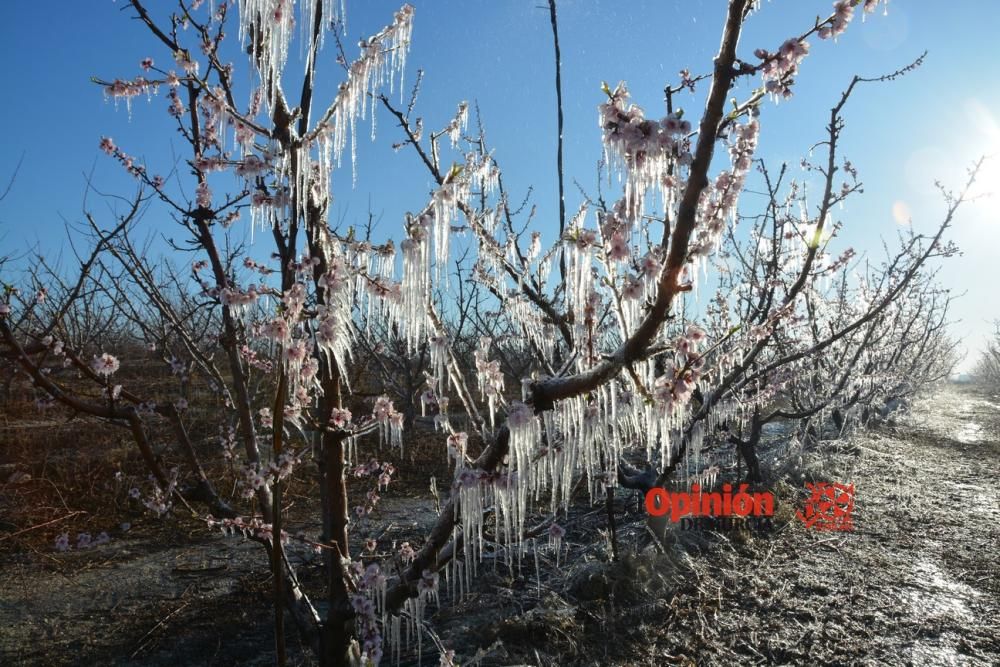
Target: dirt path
[916, 582]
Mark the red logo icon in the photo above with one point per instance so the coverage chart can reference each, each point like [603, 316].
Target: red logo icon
[829, 507]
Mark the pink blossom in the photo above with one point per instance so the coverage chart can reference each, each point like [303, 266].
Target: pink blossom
[189, 66]
[695, 334]
[619, 250]
[203, 195]
[146, 64]
[105, 365]
[340, 418]
[383, 409]
[276, 329]
[176, 108]
[650, 265]
[250, 167]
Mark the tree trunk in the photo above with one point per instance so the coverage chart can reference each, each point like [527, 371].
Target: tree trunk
[838, 420]
[748, 450]
[338, 629]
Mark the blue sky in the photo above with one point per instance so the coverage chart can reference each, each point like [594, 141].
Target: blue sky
[901, 136]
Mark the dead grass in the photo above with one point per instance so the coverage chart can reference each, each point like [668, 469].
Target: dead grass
[916, 582]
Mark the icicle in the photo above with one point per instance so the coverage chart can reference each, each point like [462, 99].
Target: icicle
[415, 286]
[525, 434]
[538, 569]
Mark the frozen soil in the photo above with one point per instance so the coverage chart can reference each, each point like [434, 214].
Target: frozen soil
[916, 582]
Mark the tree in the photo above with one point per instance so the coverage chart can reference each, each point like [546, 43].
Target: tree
[987, 370]
[610, 364]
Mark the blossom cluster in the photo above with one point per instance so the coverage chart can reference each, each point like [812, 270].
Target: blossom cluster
[237, 299]
[369, 598]
[390, 421]
[127, 161]
[127, 89]
[645, 146]
[159, 500]
[253, 527]
[779, 68]
[227, 440]
[83, 541]
[457, 446]
[717, 204]
[385, 471]
[674, 388]
[489, 376]
[843, 12]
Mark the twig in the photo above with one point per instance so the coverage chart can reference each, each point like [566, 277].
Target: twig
[41, 525]
[611, 523]
[559, 145]
[829, 539]
[142, 643]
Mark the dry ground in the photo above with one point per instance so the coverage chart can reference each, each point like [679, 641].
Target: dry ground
[916, 582]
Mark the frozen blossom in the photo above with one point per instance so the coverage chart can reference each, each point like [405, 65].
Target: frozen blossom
[458, 124]
[237, 299]
[390, 421]
[489, 376]
[556, 535]
[203, 195]
[647, 149]
[340, 418]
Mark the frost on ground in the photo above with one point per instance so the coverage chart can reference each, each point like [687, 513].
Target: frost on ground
[916, 582]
